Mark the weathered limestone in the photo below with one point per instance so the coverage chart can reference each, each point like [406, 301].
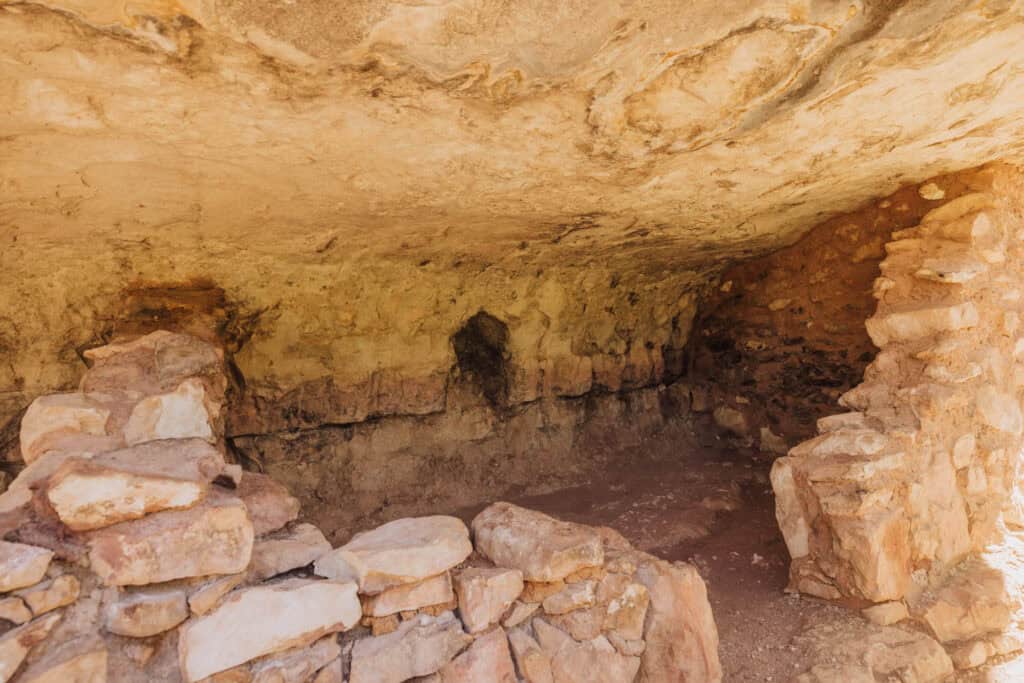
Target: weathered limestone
[181, 414]
[57, 415]
[265, 619]
[486, 660]
[50, 595]
[133, 482]
[542, 548]
[214, 537]
[145, 612]
[21, 565]
[419, 647]
[81, 659]
[399, 552]
[14, 610]
[16, 643]
[887, 510]
[435, 590]
[485, 594]
[286, 550]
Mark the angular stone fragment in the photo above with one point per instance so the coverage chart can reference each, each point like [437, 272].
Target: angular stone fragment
[971, 655]
[298, 665]
[520, 612]
[574, 596]
[287, 550]
[80, 660]
[543, 548]
[485, 594]
[206, 597]
[973, 603]
[13, 609]
[682, 640]
[16, 643]
[61, 414]
[214, 537]
[592, 661]
[626, 612]
[1000, 410]
[50, 595]
[487, 660]
[265, 619]
[532, 664]
[181, 414]
[330, 673]
[146, 612]
[269, 503]
[132, 482]
[420, 647]
[411, 596]
[154, 363]
[921, 322]
[22, 565]
[399, 552]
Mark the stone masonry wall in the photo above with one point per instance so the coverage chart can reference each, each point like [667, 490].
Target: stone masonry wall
[132, 551]
[893, 500]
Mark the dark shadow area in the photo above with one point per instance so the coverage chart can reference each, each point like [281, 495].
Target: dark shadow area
[480, 348]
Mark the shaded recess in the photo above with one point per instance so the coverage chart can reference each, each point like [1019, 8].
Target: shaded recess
[481, 352]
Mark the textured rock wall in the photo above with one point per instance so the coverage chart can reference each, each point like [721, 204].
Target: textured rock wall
[924, 470]
[782, 337]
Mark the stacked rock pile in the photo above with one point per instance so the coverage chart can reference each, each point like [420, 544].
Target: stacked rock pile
[133, 551]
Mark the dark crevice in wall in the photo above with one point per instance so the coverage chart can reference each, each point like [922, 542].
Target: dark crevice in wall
[481, 353]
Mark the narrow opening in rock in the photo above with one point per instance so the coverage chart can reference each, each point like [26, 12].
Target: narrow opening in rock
[481, 351]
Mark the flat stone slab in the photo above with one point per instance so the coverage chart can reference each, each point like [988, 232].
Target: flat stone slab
[22, 565]
[420, 647]
[181, 414]
[287, 550]
[80, 660]
[146, 612]
[258, 621]
[17, 643]
[399, 552]
[436, 590]
[214, 537]
[544, 549]
[270, 505]
[133, 482]
[50, 595]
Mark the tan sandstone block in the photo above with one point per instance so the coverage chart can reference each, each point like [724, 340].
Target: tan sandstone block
[591, 661]
[486, 660]
[146, 612]
[532, 663]
[50, 595]
[180, 414]
[435, 590]
[22, 565]
[542, 548]
[214, 537]
[286, 550]
[81, 660]
[399, 552]
[268, 501]
[420, 647]
[16, 643]
[485, 594]
[59, 414]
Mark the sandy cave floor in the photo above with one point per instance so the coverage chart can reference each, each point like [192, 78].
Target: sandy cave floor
[719, 514]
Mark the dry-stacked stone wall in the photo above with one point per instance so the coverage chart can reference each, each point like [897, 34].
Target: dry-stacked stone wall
[906, 499]
[133, 551]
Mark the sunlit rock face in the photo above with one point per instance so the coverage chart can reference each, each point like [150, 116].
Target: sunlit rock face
[359, 179]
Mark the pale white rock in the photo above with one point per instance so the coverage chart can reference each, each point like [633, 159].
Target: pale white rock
[399, 552]
[486, 660]
[213, 537]
[14, 610]
[542, 548]
[789, 512]
[843, 441]
[133, 482]
[17, 643]
[1000, 410]
[574, 596]
[485, 594]
[80, 660]
[591, 661]
[61, 414]
[931, 191]
[964, 205]
[286, 550]
[145, 612]
[22, 565]
[298, 665]
[921, 322]
[963, 451]
[886, 613]
[50, 595]
[420, 647]
[409, 597]
[180, 414]
[951, 270]
[533, 665]
[270, 504]
[265, 619]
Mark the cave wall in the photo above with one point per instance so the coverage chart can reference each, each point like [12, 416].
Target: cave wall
[782, 337]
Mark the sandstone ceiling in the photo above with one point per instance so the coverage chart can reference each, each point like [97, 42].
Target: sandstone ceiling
[287, 150]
